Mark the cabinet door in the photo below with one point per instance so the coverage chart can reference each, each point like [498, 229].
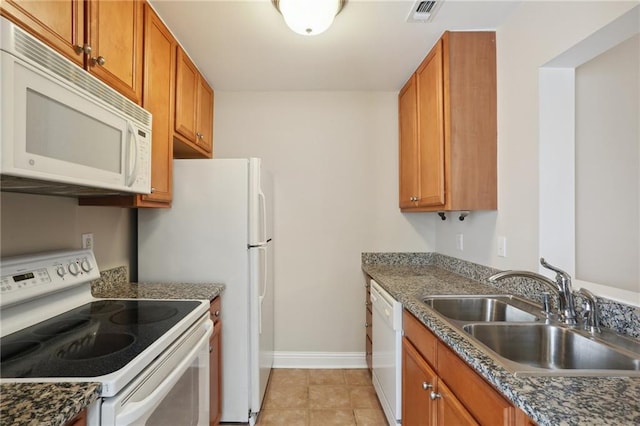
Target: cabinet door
[186, 97]
[60, 23]
[159, 69]
[409, 166]
[114, 32]
[215, 379]
[431, 143]
[79, 420]
[450, 410]
[418, 380]
[204, 116]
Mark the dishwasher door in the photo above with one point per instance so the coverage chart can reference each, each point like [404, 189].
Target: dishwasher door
[387, 355]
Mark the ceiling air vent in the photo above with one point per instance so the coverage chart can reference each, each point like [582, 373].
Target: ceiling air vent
[423, 11]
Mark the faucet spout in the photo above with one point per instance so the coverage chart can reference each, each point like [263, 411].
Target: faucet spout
[526, 274]
[562, 286]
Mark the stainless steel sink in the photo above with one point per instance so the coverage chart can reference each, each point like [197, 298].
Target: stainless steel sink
[483, 308]
[518, 336]
[546, 348]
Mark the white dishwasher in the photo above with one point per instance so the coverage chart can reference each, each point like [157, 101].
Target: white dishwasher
[387, 352]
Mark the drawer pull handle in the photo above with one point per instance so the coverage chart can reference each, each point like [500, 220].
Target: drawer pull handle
[426, 385]
[435, 395]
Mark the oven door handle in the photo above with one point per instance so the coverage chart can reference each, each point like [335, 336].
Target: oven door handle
[134, 411]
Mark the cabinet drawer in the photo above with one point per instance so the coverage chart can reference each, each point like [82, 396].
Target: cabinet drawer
[215, 310]
[424, 341]
[478, 396]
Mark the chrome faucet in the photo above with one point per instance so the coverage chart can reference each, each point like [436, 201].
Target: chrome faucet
[591, 314]
[562, 285]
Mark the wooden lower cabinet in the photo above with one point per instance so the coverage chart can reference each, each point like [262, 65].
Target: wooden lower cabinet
[426, 399]
[418, 380]
[79, 420]
[438, 388]
[215, 364]
[368, 327]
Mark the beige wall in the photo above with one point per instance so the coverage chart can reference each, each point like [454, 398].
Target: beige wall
[607, 167]
[32, 223]
[536, 33]
[334, 157]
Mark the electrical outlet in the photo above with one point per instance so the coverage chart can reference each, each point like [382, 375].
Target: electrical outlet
[502, 246]
[460, 242]
[87, 241]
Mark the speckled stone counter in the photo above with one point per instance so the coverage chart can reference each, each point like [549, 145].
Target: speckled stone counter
[54, 404]
[50, 404]
[114, 284]
[159, 291]
[546, 400]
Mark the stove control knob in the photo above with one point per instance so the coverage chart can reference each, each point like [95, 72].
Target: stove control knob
[74, 269]
[61, 271]
[85, 265]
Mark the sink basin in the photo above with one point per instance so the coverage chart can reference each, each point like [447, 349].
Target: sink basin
[485, 308]
[545, 346]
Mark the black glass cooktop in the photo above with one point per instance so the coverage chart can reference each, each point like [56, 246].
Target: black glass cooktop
[92, 340]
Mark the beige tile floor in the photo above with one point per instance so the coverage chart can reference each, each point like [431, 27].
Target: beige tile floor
[321, 398]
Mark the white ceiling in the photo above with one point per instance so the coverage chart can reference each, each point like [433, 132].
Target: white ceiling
[245, 44]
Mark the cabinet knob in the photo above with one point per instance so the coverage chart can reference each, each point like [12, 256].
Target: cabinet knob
[87, 49]
[217, 313]
[100, 60]
[426, 385]
[366, 325]
[153, 190]
[210, 348]
[433, 395]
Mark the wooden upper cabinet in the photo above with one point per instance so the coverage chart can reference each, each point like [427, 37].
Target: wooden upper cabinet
[429, 78]
[408, 119]
[157, 98]
[103, 36]
[456, 127]
[186, 96]
[204, 136]
[59, 24]
[193, 111]
[114, 32]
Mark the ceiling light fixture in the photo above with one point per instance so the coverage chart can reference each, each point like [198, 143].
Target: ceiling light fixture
[309, 17]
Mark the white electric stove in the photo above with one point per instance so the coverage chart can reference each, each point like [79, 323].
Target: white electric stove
[147, 354]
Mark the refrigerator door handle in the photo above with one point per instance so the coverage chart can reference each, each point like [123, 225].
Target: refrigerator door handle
[263, 214]
[263, 289]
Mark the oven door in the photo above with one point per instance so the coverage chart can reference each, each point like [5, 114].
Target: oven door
[173, 390]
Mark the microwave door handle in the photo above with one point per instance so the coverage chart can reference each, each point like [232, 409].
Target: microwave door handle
[132, 151]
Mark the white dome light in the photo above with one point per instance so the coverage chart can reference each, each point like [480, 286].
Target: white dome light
[309, 17]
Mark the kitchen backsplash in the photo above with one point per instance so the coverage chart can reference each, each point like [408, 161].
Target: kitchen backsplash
[621, 318]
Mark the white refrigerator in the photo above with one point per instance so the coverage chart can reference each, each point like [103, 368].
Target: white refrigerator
[219, 230]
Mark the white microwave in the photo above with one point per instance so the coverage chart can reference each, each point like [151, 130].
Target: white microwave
[62, 127]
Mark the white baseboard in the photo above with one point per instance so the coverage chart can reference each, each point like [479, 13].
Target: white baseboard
[319, 360]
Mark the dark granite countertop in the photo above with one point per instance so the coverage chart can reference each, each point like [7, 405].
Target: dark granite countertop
[546, 400]
[50, 404]
[125, 290]
[54, 404]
